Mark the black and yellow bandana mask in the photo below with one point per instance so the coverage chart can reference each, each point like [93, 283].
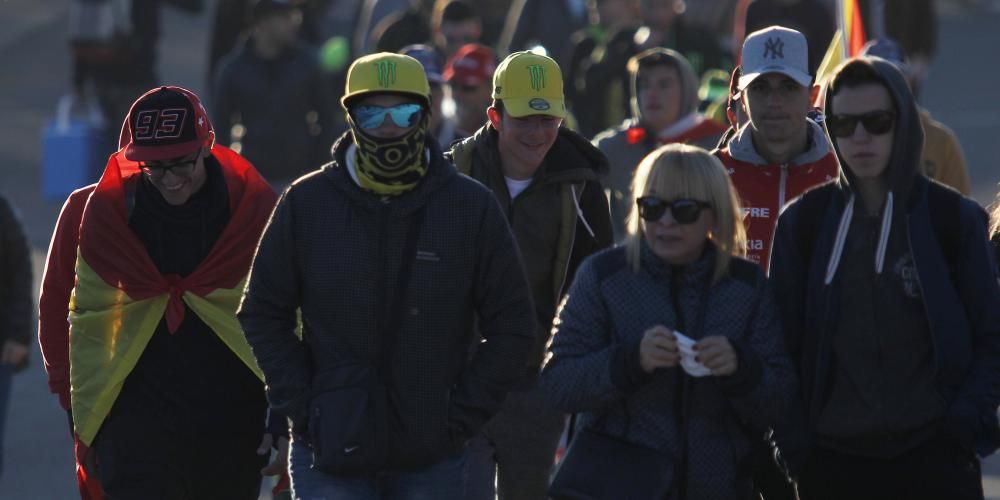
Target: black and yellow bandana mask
[391, 166]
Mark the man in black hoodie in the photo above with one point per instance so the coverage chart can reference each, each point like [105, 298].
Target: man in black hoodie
[389, 255]
[888, 288]
[546, 179]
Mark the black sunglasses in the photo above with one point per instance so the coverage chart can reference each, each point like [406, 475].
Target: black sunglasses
[875, 122]
[684, 211]
[183, 167]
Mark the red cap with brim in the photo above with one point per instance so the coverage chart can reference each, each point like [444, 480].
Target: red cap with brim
[167, 123]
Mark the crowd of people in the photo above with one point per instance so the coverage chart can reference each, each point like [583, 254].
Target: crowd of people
[457, 249]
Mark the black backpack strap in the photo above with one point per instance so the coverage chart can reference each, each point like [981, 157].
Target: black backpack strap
[944, 205]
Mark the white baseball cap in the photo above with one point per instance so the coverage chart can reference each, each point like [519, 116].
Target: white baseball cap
[775, 50]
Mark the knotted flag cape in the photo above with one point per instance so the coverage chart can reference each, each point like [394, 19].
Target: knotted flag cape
[120, 297]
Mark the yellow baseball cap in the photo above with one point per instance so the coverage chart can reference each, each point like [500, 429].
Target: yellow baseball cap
[529, 84]
[386, 72]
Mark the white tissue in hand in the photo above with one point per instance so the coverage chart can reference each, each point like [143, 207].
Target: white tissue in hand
[685, 345]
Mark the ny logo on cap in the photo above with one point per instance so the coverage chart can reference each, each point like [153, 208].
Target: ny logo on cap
[386, 73]
[537, 75]
[775, 48]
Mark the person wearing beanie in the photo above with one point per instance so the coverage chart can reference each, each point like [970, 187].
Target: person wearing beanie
[779, 153]
[161, 387]
[391, 262]
[888, 291]
[546, 178]
[664, 111]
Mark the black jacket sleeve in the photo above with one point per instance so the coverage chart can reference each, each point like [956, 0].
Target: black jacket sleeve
[268, 315]
[506, 322]
[15, 278]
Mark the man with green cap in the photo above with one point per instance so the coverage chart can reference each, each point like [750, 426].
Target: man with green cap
[546, 178]
[388, 256]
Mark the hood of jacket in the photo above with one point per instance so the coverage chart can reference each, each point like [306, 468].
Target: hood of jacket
[741, 146]
[688, 101]
[572, 157]
[439, 173]
[908, 136]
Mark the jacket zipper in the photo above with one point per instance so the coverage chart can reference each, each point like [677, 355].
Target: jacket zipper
[782, 186]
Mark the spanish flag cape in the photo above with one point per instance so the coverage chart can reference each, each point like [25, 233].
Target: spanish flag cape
[120, 296]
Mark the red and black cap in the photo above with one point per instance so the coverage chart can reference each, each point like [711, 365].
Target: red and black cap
[166, 123]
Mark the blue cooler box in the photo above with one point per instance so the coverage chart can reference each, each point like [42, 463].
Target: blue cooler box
[74, 154]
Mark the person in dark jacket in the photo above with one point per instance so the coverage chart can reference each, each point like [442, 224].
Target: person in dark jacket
[664, 111]
[15, 304]
[672, 341]
[546, 178]
[390, 256]
[270, 97]
[891, 320]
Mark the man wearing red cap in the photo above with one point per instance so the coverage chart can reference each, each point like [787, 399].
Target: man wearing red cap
[163, 388]
[468, 74]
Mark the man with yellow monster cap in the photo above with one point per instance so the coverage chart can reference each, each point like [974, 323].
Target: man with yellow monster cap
[390, 256]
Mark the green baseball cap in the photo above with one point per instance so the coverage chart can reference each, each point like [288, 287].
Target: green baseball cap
[529, 84]
[386, 72]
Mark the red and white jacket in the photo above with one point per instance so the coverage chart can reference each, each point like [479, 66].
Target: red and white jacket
[766, 188]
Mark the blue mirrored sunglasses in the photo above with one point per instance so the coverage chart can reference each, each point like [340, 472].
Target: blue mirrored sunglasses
[372, 117]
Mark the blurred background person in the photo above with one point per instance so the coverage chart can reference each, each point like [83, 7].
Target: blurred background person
[663, 25]
[270, 99]
[439, 126]
[469, 76]
[607, 18]
[454, 24]
[16, 294]
[664, 111]
[546, 23]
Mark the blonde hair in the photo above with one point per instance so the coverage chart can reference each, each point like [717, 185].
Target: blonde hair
[678, 171]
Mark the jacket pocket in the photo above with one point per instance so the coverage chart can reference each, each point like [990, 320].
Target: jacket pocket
[348, 417]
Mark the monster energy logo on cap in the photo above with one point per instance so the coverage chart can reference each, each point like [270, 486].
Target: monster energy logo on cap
[537, 74]
[386, 73]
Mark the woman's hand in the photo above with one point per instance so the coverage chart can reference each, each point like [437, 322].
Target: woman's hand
[658, 349]
[717, 354]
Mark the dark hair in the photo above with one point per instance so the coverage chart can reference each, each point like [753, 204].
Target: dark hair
[498, 105]
[855, 74]
[454, 11]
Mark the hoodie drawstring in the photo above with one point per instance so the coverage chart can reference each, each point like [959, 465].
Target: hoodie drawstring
[845, 224]
[579, 211]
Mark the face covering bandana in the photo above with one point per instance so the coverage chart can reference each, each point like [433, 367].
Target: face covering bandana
[390, 166]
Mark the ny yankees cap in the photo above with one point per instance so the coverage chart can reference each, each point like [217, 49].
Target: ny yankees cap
[386, 72]
[471, 65]
[529, 84]
[166, 123]
[775, 50]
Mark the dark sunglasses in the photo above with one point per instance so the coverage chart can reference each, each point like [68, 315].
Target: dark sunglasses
[684, 211]
[372, 117]
[181, 168]
[875, 122]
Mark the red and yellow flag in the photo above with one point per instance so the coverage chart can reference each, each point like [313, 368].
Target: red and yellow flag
[847, 42]
[120, 296]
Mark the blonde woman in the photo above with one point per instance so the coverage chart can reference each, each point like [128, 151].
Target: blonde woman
[668, 346]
